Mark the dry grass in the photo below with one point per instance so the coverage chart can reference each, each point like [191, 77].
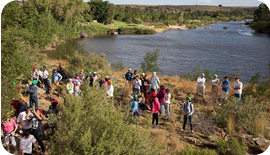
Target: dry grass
[231, 124]
[209, 108]
[259, 127]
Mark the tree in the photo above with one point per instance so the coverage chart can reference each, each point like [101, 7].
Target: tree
[102, 11]
[220, 5]
[149, 63]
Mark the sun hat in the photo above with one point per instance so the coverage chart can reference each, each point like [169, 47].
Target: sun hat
[106, 77]
[129, 69]
[99, 76]
[110, 82]
[34, 82]
[154, 72]
[70, 79]
[23, 98]
[81, 70]
[95, 72]
[78, 83]
[135, 96]
[189, 98]
[89, 73]
[215, 75]
[202, 74]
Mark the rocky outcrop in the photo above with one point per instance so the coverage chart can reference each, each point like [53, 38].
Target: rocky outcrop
[84, 35]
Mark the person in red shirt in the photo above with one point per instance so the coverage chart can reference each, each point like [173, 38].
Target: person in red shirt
[155, 109]
[9, 128]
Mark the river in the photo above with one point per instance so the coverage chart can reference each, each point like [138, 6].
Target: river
[235, 50]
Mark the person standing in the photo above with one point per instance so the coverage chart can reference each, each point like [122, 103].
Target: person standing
[142, 78]
[167, 104]
[90, 78]
[26, 143]
[35, 75]
[56, 77]
[77, 89]
[134, 110]
[155, 109]
[214, 91]
[161, 98]
[9, 128]
[110, 89]
[137, 83]
[201, 86]
[45, 75]
[154, 82]
[238, 88]
[135, 74]
[95, 77]
[33, 94]
[81, 74]
[188, 110]
[146, 85]
[23, 123]
[36, 120]
[70, 86]
[225, 88]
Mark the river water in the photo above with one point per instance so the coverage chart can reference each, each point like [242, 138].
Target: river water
[235, 50]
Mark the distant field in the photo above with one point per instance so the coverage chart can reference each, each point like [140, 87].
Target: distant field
[194, 7]
[117, 24]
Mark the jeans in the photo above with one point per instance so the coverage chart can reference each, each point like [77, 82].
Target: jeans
[190, 121]
[33, 99]
[155, 117]
[167, 110]
[238, 96]
[161, 109]
[46, 85]
[39, 138]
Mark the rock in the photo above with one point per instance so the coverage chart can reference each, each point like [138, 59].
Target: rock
[84, 35]
[207, 144]
[260, 142]
[192, 140]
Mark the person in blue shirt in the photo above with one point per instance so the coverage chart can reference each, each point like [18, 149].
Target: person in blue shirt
[128, 77]
[33, 94]
[134, 106]
[225, 88]
[56, 77]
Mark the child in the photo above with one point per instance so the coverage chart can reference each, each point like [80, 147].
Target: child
[188, 110]
[134, 107]
[167, 104]
[140, 101]
[155, 109]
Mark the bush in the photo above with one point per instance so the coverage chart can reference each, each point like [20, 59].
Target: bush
[137, 21]
[89, 125]
[149, 63]
[195, 151]
[231, 147]
[118, 66]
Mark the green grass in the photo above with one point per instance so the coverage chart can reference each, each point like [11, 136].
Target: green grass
[117, 24]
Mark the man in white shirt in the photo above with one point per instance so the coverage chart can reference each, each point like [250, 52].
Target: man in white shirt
[23, 123]
[26, 143]
[238, 88]
[137, 83]
[45, 75]
[200, 87]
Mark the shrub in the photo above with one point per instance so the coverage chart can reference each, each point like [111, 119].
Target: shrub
[230, 124]
[118, 65]
[89, 125]
[194, 74]
[137, 21]
[231, 147]
[195, 151]
[149, 63]
[259, 127]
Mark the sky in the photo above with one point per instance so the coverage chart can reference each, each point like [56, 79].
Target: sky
[189, 2]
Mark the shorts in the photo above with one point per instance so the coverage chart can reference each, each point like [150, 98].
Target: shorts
[9, 139]
[224, 95]
[200, 89]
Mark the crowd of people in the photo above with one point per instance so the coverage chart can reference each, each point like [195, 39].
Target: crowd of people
[147, 94]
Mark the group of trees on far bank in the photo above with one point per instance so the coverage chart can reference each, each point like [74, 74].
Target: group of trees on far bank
[261, 21]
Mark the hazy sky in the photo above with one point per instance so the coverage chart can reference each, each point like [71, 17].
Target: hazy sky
[189, 2]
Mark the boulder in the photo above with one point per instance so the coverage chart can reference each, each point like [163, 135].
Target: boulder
[84, 35]
[207, 144]
[192, 140]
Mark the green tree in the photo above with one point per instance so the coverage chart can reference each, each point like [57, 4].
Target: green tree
[149, 63]
[102, 11]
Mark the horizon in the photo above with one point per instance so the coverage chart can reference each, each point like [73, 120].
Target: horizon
[225, 3]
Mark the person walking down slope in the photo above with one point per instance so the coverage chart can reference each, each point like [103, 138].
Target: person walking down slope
[70, 86]
[161, 98]
[154, 82]
[214, 91]
[201, 86]
[56, 78]
[155, 110]
[188, 110]
[238, 88]
[225, 89]
[33, 94]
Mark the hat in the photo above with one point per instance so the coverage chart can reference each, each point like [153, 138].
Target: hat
[41, 67]
[40, 111]
[55, 100]
[23, 98]
[34, 68]
[89, 73]
[69, 79]
[154, 72]
[143, 74]
[189, 98]
[81, 70]
[78, 83]
[167, 90]
[34, 82]
[110, 82]
[106, 77]
[14, 83]
[202, 74]
[129, 69]
[135, 96]
[95, 72]
[154, 94]
[215, 75]
[98, 75]
[146, 92]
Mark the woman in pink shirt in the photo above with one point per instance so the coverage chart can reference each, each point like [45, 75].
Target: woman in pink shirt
[155, 109]
[9, 127]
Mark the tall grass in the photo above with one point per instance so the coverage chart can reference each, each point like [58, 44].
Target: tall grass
[231, 124]
[259, 127]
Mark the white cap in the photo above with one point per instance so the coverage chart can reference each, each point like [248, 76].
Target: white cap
[69, 79]
[95, 73]
[78, 83]
[129, 69]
